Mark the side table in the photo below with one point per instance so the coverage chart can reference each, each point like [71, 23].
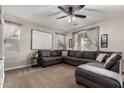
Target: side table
[34, 62]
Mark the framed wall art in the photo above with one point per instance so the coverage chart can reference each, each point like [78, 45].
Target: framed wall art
[104, 40]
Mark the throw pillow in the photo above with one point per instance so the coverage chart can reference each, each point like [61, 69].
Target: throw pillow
[53, 53]
[90, 55]
[112, 60]
[59, 52]
[72, 53]
[64, 53]
[100, 57]
[106, 57]
[46, 53]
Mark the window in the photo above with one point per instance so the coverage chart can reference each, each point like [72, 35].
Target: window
[86, 40]
[41, 40]
[60, 41]
[12, 36]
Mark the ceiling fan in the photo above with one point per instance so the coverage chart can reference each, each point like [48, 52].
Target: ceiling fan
[71, 12]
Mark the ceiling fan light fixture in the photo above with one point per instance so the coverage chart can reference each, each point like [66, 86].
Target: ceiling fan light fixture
[71, 18]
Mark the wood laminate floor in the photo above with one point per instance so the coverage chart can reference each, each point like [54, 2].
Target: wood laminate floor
[56, 76]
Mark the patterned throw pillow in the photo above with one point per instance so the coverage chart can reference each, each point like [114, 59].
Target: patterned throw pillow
[100, 57]
[64, 53]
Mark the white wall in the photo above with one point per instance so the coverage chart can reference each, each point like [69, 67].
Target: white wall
[67, 37]
[115, 30]
[1, 37]
[23, 57]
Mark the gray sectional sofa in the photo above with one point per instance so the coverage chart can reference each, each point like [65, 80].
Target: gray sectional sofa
[47, 57]
[89, 72]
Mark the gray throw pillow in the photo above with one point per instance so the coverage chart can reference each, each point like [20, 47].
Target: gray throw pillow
[112, 60]
[106, 57]
[72, 53]
[46, 53]
[59, 52]
[90, 55]
[53, 53]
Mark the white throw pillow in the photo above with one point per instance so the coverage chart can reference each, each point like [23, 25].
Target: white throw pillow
[100, 57]
[64, 53]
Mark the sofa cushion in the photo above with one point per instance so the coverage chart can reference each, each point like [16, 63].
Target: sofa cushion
[53, 53]
[96, 64]
[76, 60]
[80, 54]
[64, 53]
[72, 53]
[48, 59]
[90, 55]
[45, 53]
[59, 52]
[91, 76]
[112, 60]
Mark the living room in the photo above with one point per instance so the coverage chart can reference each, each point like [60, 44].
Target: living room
[66, 54]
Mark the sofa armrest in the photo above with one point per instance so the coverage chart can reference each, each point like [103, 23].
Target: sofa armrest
[39, 58]
[102, 72]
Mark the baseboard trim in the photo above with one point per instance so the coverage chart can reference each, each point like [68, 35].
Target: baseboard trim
[18, 67]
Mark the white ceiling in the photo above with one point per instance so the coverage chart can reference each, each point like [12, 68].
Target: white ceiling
[42, 15]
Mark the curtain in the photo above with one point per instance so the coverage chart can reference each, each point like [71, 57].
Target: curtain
[9, 29]
[87, 40]
[75, 41]
[93, 36]
[11, 36]
[60, 41]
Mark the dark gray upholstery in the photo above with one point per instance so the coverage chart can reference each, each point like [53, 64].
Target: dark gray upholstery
[76, 61]
[80, 54]
[116, 68]
[44, 53]
[90, 79]
[90, 55]
[54, 53]
[76, 58]
[59, 52]
[113, 61]
[46, 61]
[72, 53]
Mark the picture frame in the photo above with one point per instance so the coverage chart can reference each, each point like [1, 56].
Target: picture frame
[70, 43]
[104, 40]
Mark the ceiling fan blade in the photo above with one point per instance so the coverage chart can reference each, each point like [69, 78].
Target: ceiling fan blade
[93, 10]
[61, 17]
[54, 13]
[80, 16]
[78, 8]
[63, 9]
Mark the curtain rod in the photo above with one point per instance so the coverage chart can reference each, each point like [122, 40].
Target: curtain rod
[59, 33]
[13, 22]
[86, 29]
